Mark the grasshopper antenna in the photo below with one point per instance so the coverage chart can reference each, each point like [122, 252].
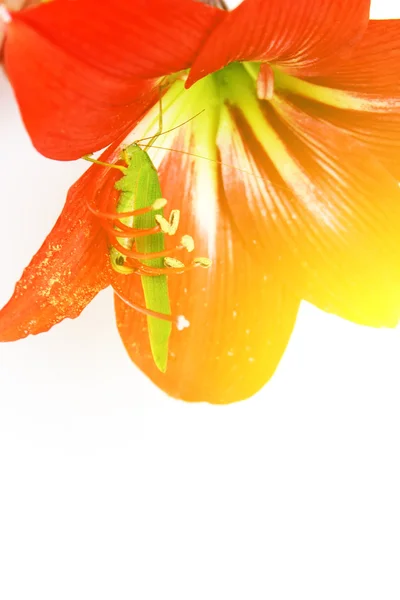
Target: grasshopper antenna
[160, 123]
[157, 135]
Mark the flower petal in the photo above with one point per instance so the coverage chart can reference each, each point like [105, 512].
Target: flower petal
[240, 318]
[369, 76]
[83, 72]
[378, 131]
[69, 108]
[373, 66]
[67, 272]
[143, 38]
[322, 207]
[304, 37]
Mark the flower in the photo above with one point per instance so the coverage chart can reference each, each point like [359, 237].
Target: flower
[295, 194]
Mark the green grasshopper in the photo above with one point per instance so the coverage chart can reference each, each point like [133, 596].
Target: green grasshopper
[140, 188]
[141, 223]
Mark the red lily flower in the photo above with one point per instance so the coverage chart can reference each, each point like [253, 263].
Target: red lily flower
[305, 95]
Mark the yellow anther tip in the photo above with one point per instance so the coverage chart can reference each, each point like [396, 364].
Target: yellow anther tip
[174, 218]
[187, 242]
[163, 223]
[203, 262]
[173, 263]
[159, 203]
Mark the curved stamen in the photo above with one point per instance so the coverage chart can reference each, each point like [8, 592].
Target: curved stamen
[130, 232]
[143, 255]
[114, 216]
[169, 227]
[141, 269]
[180, 322]
[133, 262]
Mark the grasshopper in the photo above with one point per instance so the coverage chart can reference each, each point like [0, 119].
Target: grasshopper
[141, 224]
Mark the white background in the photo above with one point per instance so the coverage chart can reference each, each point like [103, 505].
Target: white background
[111, 490]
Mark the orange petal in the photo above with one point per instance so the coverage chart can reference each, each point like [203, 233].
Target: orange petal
[322, 208]
[240, 317]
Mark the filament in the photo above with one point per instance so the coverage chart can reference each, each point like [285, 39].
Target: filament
[143, 255]
[180, 321]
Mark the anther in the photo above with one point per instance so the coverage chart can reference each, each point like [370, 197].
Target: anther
[169, 227]
[187, 242]
[202, 262]
[164, 224]
[173, 263]
[174, 221]
[159, 204]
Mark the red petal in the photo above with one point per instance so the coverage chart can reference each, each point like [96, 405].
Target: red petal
[303, 36]
[79, 69]
[240, 319]
[371, 74]
[326, 211]
[125, 39]
[68, 107]
[378, 131]
[373, 66]
[67, 272]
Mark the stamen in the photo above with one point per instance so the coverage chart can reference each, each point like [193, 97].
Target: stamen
[130, 232]
[180, 321]
[141, 269]
[169, 227]
[159, 204]
[173, 263]
[174, 218]
[141, 255]
[172, 266]
[164, 224]
[202, 262]
[113, 216]
[120, 266]
[127, 261]
[187, 242]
